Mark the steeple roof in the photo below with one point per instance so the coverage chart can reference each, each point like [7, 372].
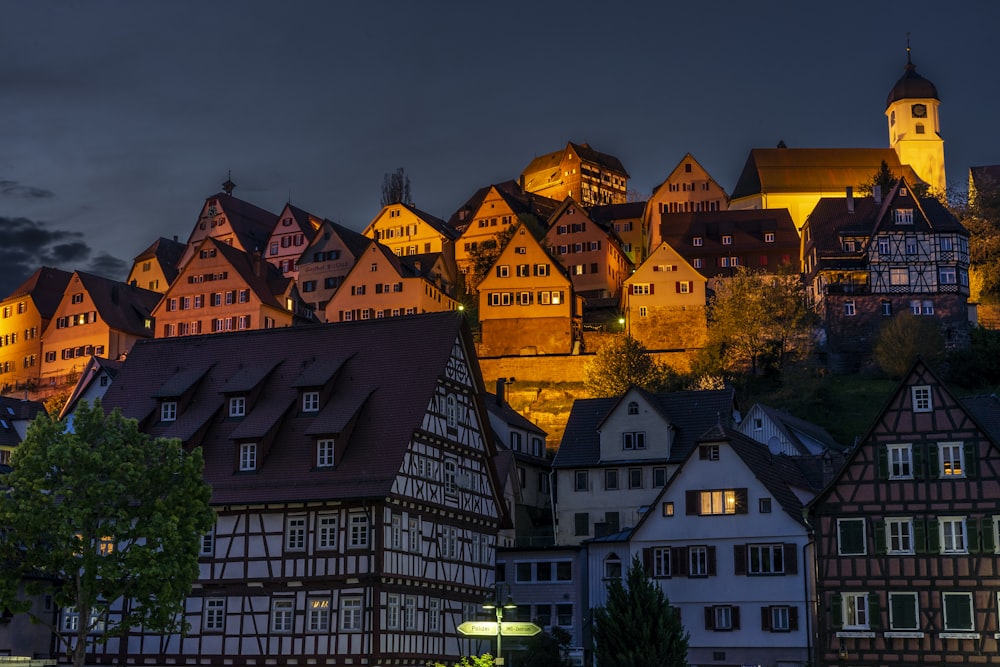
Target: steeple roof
[911, 85]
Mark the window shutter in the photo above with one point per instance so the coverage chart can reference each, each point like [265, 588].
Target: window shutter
[879, 530]
[933, 537]
[918, 461]
[836, 611]
[987, 534]
[690, 286]
[793, 618]
[972, 530]
[933, 468]
[711, 562]
[874, 611]
[709, 618]
[678, 561]
[971, 459]
[791, 562]
[647, 561]
[765, 618]
[652, 287]
[677, 286]
[919, 536]
[736, 618]
[631, 289]
[741, 501]
[739, 559]
[691, 505]
[883, 462]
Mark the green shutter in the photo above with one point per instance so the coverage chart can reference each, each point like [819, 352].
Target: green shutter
[933, 467]
[879, 530]
[972, 534]
[987, 535]
[874, 611]
[933, 537]
[971, 453]
[739, 559]
[883, 462]
[919, 536]
[917, 451]
[836, 611]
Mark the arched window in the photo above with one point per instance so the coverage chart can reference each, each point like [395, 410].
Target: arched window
[633, 408]
[613, 567]
[452, 412]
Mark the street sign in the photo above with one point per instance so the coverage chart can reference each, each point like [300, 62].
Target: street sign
[515, 629]
[481, 628]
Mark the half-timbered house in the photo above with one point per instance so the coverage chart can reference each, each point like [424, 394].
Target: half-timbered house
[351, 471]
[906, 535]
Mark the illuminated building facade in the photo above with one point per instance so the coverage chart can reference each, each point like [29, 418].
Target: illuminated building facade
[232, 221]
[689, 188]
[325, 263]
[578, 171]
[155, 268]
[24, 316]
[294, 231]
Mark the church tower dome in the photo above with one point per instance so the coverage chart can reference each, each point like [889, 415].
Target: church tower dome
[915, 126]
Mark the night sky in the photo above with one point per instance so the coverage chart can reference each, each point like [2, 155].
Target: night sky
[117, 119]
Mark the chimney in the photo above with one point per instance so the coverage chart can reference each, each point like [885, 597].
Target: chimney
[501, 391]
[877, 193]
[850, 199]
[258, 264]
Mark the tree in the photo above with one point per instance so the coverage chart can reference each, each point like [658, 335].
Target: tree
[546, 649]
[981, 216]
[637, 627]
[396, 188]
[623, 362]
[905, 337]
[757, 319]
[882, 178]
[484, 255]
[105, 519]
[484, 660]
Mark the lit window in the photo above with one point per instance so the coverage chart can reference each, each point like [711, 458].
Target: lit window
[721, 502]
[899, 276]
[952, 459]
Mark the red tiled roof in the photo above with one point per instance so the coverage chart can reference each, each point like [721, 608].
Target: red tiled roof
[382, 389]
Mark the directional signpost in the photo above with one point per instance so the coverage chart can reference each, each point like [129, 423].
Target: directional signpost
[478, 628]
[498, 629]
[514, 629]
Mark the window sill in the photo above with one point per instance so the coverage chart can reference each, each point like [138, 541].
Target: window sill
[856, 634]
[904, 634]
[958, 635]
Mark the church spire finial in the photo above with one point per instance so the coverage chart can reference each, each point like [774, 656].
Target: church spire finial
[228, 186]
[909, 62]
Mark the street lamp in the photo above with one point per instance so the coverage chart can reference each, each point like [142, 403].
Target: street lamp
[497, 603]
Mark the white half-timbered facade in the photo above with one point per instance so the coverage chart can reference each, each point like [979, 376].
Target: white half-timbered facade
[357, 505]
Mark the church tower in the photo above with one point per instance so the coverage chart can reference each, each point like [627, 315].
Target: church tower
[914, 126]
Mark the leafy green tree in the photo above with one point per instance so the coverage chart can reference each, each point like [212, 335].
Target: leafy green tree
[977, 366]
[396, 188]
[546, 649]
[623, 362]
[484, 256]
[905, 337]
[756, 320]
[484, 660]
[105, 519]
[637, 627]
[981, 216]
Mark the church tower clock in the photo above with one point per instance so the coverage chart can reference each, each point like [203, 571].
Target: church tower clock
[914, 126]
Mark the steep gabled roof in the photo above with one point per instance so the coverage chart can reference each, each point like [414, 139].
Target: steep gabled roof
[251, 224]
[511, 416]
[95, 367]
[794, 429]
[383, 389]
[265, 279]
[746, 227]
[824, 170]
[45, 287]
[14, 411]
[167, 253]
[689, 412]
[122, 307]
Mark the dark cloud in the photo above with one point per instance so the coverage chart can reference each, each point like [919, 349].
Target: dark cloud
[15, 189]
[29, 244]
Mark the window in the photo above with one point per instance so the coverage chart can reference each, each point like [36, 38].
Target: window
[503, 271]
[610, 480]
[248, 456]
[722, 618]
[318, 618]
[324, 453]
[237, 406]
[410, 612]
[922, 398]
[581, 523]
[953, 535]
[168, 411]
[899, 535]
[310, 401]
[951, 459]
[699, 562]
[697, 263]
[849, 310]
[359, 531]
[207, 547]
[433, 615]
[660, 557]
[911, 245]
[958, 615]
[764, 505]
[295, 534]
[214, 619]
[659, 477]
[886, 306]
[854, 611]
[282, 612]
[613, 567]
[634, 440]
[392, 612]
[883, 247]
[768, 237]
[449, 542]
[904, 216]
[899, 276]
[580, 481]
[723, 501]
[727, 239]
[708, 452]
[450, 476]
[350, 613]
[851, 537]
[696, 241]
[413, 533]
[948, 275]
[635, 478]
[766, 559]
[903, 611]
[451, 410]
[326, 531]
[900, 460]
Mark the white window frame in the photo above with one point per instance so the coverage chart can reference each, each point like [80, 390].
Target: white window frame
[392, 611]
[854, 607]
[900, 458]
[922, 398]
[310, 401]
[168, 411]
[359, 530]
[326, 531]
[944, 610]
[318, 614]
[661, 562]
[765, 559]
[916, 609]
[351, 613]
[282, 615]
[238, 406]
[295, 533]
[698, 561]
[899, 535]
[248, 456]
[214, 615]
[325, 451]
[953, 534]
[722, 617]
[950, 454]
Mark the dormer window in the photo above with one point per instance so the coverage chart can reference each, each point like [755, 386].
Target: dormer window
[310, 401]
[768, 237]
[248, 456]
[727, 239]
[697, 241]
[904, 216]
[168, 411]
[324, 453]
[238, 406]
